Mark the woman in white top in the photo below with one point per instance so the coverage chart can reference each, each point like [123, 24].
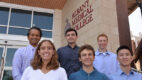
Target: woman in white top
[45, 64]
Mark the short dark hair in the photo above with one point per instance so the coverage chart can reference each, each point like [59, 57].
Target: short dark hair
[86, 46]
[70, 29]
[36, 29]
[124, 47]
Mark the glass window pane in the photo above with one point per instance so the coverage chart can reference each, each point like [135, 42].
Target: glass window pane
[4, 12]
[7, 75]
[20, 18]
[3, 29]
[18, 31]
[43, 20]
[1, 52]
[47, 34]
[9, 56]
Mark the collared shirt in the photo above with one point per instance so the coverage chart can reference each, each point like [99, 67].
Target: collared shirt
[106, 62]
[21, 61]
[120, 75]
[82, 75]
[68, 58]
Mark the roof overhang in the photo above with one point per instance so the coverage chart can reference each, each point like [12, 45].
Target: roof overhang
[59, 4]
[132, 6]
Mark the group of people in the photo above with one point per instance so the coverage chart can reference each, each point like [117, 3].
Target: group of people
[41, 61]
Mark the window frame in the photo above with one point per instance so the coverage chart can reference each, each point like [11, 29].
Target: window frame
[27, 8]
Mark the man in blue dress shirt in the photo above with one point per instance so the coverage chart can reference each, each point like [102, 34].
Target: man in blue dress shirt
[105, 61]
[125, 57]
[68, 55]
[23, 56]
[87, 72]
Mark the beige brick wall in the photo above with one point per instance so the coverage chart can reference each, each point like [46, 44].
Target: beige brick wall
[104, 21]
[57, 30]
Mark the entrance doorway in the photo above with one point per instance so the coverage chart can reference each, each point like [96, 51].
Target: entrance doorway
[7, 51]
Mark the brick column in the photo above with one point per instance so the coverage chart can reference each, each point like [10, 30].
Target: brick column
[123, 24]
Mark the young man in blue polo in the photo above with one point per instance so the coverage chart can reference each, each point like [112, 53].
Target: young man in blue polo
[87, 72]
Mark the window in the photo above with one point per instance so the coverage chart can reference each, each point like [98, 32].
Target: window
[18, 21]
[43, 20]
[3, 29]
[1, 52]
[4, 12]
[7, 75]
[20, 18]
[47, 34]
[18, 31]
[9, 56]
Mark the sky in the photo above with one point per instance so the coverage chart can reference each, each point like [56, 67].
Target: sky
[135, 22]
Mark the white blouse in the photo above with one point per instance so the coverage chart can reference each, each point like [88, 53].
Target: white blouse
[31, 74]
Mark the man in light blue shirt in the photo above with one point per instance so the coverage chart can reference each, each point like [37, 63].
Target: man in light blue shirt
[125, 57]
[23, 56]
[105, 61]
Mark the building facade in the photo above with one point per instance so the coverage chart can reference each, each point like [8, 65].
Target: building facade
[89, 17]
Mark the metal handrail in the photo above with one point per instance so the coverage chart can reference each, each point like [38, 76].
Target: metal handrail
[2, 66]
[137, 70]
